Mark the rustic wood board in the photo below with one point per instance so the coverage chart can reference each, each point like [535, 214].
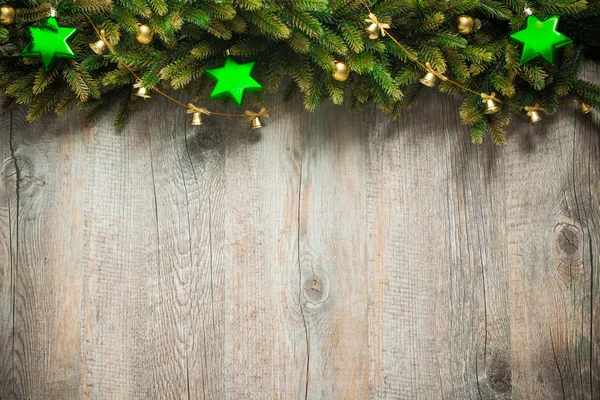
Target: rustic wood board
[328, 255]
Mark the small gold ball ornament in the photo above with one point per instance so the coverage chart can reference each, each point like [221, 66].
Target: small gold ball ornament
[145, 34]
[7, 15]
[466, 23]
[340, 71]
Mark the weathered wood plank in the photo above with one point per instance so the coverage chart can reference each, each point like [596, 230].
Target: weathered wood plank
[437, 297]
[332, 249]
[7, 206]
[264, 345]
[552, 224]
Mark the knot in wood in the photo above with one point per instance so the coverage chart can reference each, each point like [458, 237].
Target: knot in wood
[18, 169]
[568, 250]
[315, 288]
[498, 375]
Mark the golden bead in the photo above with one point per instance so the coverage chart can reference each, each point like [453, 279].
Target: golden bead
[465, 24]
[340, 71]
[144, 34]
[7, 15]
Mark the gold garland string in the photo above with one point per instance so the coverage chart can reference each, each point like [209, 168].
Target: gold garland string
[191, 108]
[427, 67]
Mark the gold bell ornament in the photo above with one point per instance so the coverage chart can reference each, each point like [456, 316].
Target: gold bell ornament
[376, 26]
[99, 46]
[428, 79]
[430, 76]
[533, 113]
[7, 15]
[254, 118]
[466, 23]
[256, 123]
[491, 103]
[197, 114]
[144, 34]
[585, 107]
[340, 71]
[141, 91]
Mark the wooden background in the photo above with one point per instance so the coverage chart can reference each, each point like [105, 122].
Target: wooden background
[329, 255]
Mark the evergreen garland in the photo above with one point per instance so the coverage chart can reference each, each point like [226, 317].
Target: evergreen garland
[301, 39]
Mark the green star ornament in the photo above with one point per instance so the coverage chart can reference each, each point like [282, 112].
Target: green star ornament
[540, 39]
[49, 43]
[233, 80]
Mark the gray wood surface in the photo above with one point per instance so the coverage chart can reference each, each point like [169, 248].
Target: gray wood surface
[330, 255]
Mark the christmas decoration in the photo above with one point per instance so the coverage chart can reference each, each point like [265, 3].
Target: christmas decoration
[141, 91]
[196, 114]
[533, 113]
[7, 15]
[466, 24]
[491, 103]
[99, 46]
[50, 42]
[585, 107]
[540, 39]
[298, 43]
[254, 118]
[145, 34]
[233, 81]
[340, 71]
[376, 26]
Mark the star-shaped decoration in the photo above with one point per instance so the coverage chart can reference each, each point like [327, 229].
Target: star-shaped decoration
[233, 80]
[540, 39]
[50, 42]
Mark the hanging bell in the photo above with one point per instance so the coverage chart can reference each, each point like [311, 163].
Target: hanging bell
[99, 46]
[534, 116]
[373, 31]
[197, 119]
[256, 123]
[428, 79]
[142, 92]
[585, 107]
[491, 105]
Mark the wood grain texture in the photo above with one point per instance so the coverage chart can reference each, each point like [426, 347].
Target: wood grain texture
[327, 255]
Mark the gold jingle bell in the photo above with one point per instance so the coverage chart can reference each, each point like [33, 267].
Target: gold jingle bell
[491, 103]
[99, 46]
[373, 31]
[144, 34]
[197, 119]
[7, 15]
[340, 71]
[533, 113]
[465, 24]
[585, 107]
[256, 123]
[534, 117]
[141, 91]
[428, 79]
